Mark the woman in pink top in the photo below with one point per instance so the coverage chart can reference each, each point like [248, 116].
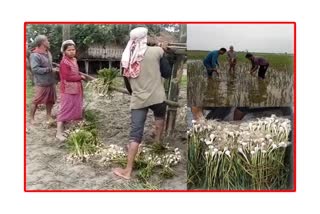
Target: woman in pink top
[71, 92]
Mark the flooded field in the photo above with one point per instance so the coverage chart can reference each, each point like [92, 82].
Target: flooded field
[240, 88]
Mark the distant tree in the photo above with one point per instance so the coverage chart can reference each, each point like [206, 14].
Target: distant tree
[85, 35]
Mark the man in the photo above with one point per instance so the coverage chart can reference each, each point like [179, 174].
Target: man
[258, 62]
[232, 59]
[211, 61]
[143, 77]
[44, 76]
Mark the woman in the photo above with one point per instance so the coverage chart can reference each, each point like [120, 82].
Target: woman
[71, 91]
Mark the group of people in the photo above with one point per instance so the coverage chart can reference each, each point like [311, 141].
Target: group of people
[211, 62]
[71, 92]
[143, 67]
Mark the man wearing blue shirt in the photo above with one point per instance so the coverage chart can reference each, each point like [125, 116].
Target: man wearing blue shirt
[211, 61]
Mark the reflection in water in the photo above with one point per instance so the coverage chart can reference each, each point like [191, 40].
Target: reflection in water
[258, 92]
[213, 91]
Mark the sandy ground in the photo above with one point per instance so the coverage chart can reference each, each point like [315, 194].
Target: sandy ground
[47, 168]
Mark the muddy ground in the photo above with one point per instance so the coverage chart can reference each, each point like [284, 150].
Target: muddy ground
[47, 168]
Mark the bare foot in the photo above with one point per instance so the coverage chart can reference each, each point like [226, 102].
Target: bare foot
[50, 119]
[50, 122]
[60, 137]
[121, 173]
[33, 122]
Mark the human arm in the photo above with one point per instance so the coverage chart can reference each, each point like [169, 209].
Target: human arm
[66, 74]
[35, 63]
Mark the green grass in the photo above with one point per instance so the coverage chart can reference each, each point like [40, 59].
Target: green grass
[277, 61]
[183, 81]
[29, 92]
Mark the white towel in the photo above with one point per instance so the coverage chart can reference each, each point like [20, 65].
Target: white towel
[134, 52]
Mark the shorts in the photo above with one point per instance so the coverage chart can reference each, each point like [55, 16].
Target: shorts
[138, 119]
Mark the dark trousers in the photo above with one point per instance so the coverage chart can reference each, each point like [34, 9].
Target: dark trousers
[138, 119]
[262, 71]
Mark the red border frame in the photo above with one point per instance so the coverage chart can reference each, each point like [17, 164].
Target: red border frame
[166, 22]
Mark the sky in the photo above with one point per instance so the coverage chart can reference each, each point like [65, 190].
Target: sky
[266, 38]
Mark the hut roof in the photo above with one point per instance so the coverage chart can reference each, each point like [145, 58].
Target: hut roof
[114, 52]
[108, 52]
[166, 36]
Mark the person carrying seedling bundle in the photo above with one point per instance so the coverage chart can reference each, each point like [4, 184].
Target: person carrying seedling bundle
[143, 68]
[232, 59]
[211, 62]
[258, 62]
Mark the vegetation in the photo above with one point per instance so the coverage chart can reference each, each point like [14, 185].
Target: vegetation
[241, 88]
[107, 78]
[246, 156]
[87, 34]
[83, 142]
[150, 159]
[29, 92]
[277, 61]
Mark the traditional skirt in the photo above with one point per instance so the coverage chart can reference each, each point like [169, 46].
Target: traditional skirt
[44, 95]
[70, 107]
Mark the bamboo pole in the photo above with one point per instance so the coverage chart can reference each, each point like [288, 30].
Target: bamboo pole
[176, 47]
[124, 91]
[65, 32]
[173, 94]
[178, 44]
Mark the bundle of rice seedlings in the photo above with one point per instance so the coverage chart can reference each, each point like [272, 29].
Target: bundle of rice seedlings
[113, 154]
[103, 84]
[82, 144]
[149, 160]
[250, 155]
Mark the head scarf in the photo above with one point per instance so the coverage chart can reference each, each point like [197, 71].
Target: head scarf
[134, 52]
[69, 41]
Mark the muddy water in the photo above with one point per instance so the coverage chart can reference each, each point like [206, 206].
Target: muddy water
[242, 89]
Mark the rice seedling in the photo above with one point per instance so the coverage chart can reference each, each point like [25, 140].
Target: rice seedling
[113, 154]
[104, 83]
[82, 145]
[250, 155]
[241, 88]
[278, 61]
[148, 161]
[82, 141]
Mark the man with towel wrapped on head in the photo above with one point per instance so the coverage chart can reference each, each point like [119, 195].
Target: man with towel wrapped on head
[141, 70]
